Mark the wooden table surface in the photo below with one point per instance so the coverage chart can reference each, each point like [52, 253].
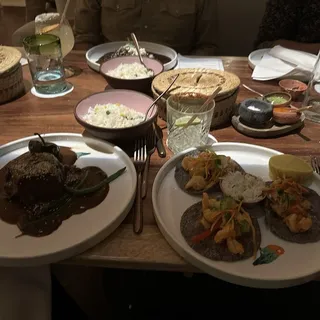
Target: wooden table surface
[123, 249]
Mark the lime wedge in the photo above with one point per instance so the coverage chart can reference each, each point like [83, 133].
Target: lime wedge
[181, 122]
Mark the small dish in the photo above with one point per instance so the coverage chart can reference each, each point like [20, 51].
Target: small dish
[141, 84]
[131, 99]
[255, 111]
[278, 99]
[294, 87]
[285, 115]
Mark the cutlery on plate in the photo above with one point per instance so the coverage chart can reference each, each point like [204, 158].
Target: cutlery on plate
[136, 44]
[139, 159]
[315, 163]
[159, 144]
[151, 146]
[160, 96]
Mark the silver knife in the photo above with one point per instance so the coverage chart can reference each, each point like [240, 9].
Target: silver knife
[159, 144]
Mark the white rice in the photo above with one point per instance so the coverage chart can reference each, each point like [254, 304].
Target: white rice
[242, 186]
[130, 71]
[113, 115]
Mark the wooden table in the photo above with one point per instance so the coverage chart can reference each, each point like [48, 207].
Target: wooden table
[123, 249]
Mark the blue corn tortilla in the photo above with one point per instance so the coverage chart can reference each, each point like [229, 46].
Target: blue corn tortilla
[182, 176]
[281, 230]
[190, 226]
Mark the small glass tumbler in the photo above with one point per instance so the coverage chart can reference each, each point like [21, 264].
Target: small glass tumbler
[45, 63]
[181, 109]
[312, 94]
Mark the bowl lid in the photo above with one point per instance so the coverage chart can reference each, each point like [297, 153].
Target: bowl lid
[9, 57]
[202, 81]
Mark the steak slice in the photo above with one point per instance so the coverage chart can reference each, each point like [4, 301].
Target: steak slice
[33, 178]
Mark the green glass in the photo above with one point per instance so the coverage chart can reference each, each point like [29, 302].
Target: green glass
[45, 63]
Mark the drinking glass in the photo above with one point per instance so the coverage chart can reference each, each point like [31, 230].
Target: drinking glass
[49, 23]
[312, 95]
[180, 109]
[45, 63]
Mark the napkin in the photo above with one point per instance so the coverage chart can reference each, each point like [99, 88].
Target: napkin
[280, 62]
[199, 62]
[25, 293]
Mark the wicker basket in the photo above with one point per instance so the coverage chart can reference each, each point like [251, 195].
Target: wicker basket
[11, 77]
[224, 101]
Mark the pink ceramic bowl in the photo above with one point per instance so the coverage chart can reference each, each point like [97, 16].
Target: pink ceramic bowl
[142, 85]
[131, 99]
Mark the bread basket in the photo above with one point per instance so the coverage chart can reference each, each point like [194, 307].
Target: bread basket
[11, 78]
[203, 81]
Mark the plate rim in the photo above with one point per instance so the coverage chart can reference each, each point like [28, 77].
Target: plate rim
[84, 244]
[191, 256]
[96, 67]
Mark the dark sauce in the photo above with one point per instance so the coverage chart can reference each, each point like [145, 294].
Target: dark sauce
[32, 224]
[163, 59]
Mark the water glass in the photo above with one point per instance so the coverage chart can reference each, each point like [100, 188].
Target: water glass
[312, 95]
[180, 109]
[45, 63]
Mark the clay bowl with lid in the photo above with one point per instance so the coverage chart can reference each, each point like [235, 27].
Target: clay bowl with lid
[200, 81]
[137, 84]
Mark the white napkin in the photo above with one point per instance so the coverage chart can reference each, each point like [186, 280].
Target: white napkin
[25, 293]
[280, 62]
[199, 62]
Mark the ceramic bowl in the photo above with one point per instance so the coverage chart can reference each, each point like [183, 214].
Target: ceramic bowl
[255, 111]
[131, 99]
[142, 85]
[285, 115]
[286, 96]
[294, 87]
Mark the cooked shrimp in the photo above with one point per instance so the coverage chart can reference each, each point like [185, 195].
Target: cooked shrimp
[205, 201]
[234, 246]
[211, 215]
[196, 183]
[226, 232]
[297, 223]
[187, 163]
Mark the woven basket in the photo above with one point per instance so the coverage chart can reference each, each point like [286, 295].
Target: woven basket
[11, 77]
[209, 80]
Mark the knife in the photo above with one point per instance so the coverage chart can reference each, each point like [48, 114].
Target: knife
[159, 144]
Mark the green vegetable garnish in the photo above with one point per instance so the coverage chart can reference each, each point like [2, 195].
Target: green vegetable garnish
[244, 226]
[97, 186]
[108, 112]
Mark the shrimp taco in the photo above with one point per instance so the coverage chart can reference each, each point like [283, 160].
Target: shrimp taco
[200, 171]
[220, 229]
[293, 211]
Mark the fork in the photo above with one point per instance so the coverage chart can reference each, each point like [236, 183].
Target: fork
[315, 163]
[139, 159]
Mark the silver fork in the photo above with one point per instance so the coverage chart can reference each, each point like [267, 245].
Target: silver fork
[139, 159]
[315, 163]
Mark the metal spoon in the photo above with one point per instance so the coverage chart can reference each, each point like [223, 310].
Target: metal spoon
[160, 96]
[136, 44]
[252, 90]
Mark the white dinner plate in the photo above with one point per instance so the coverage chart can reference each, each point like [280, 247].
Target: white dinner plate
[80, 232]
[95, 53]
[299, 263]
[256, 56]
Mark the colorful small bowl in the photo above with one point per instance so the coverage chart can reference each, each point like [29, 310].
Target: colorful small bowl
[131, 99]
[286, 96]
[142, 85]
[294, 87]
[285, 115]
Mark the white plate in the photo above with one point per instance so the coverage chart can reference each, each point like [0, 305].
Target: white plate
[256, 56]
[97, 52]
[80, 232]
[299, 263]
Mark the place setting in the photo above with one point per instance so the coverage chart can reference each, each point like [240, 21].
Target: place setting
[232, 208]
